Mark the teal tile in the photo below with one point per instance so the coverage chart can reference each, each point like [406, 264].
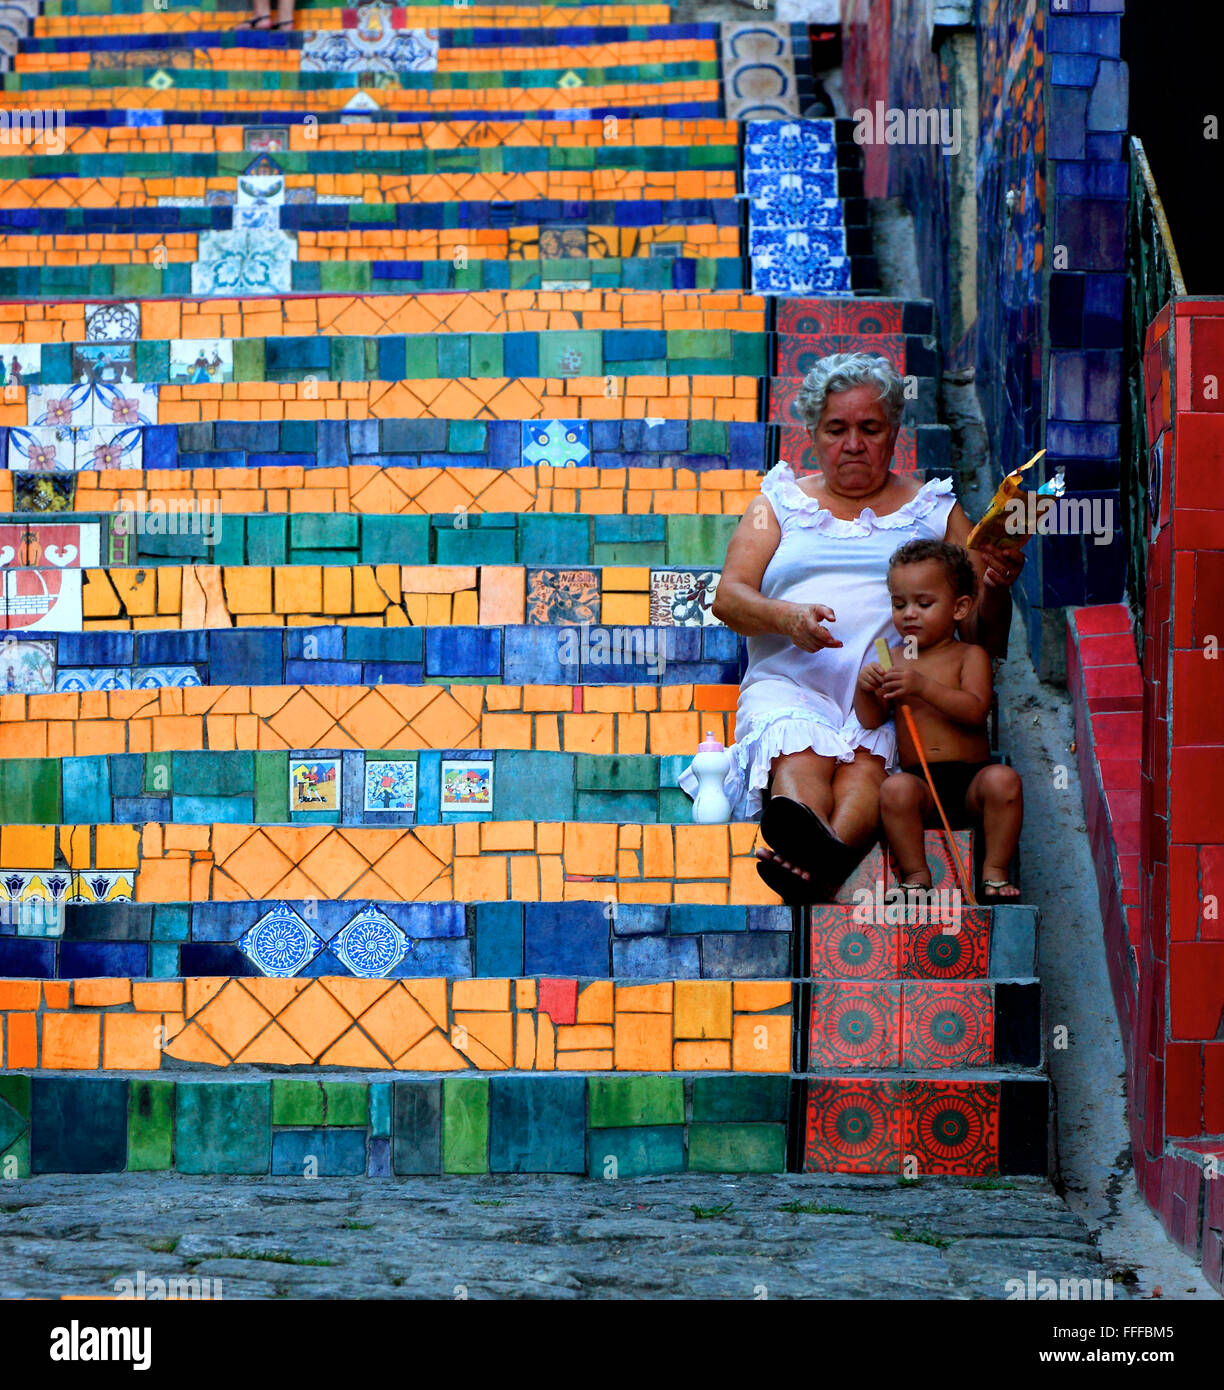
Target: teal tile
[380, 1110]
[735, 1148]
[571, 353]
[467, 436]
[163, 961]
[625, 773]
[717, 1098]
[150, 1126]
[171, 922]
[320, 531]
[401, 540]
[546, 539]
[699, 540]
[635, 1153]
[267, 540]
[454, 355]
[465, 1125]
[223, 1127]
[486, 355]
[224, 773]
[618, 1102]
[420, 356]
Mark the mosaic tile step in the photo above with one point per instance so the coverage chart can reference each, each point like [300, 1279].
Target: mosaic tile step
[660, 545]
[286, 143]
[435, 596]
[679, 316]
[607, 1126]
[877, 939]
[112, 16]
[490, 861]
[635, 457]
[371, 654]
[141, 711]
[393, 358]
[644, 270]
[308, 938]
[338, 786]
[986, 1126]
[421, 1025]
[922, 1025]
[162, 502]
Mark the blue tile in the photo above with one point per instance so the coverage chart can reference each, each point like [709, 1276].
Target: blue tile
[127, 774]
[499, 939]
[565, 939]
[380, 1158]
[322, 672]
[326, 643]
[720, 644]
[534, 786]
[426, 921]
[656, 957]
[395, 644]
[687, 919]
[95, 649]
[533, 657]
[779, 919]
[324, 1153]
[78, 1125]
[751, 956]
[436, 958]
[32, 959]
[86, 791]
[245, 656]
[537, 1124]
[640, 919]
[206, 959]
[81, 960]
[463, 651]
[171, 648]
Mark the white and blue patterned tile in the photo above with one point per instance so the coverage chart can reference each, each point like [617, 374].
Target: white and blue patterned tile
[790, 145]
[43, 449]
[247, 260]
[164, 677]
[117, 321]
[281, 943]
[101, 886]
[758, 72]
[78, 680]
[373, 45]
[560, 443]
[799, 261]
[371, 944]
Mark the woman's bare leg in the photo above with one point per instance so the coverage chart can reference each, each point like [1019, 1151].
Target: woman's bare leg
[805, 777]
[856, 797]
[284, 11]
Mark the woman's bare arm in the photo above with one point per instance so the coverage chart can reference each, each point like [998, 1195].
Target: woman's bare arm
[739, 602]
[989, 620]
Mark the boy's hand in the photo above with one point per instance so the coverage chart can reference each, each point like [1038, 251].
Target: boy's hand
[870, 678]
[901, 681]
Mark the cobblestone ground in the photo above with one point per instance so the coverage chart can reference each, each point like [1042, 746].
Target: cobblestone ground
[690, 1236]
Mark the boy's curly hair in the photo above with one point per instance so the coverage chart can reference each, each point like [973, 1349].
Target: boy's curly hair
[954, 559]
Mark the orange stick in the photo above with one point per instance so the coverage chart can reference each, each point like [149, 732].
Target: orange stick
[885, 657]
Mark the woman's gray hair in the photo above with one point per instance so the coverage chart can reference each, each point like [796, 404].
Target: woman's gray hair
[843, 371]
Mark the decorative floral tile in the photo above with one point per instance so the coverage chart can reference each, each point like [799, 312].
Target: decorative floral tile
[27, 667]
[26, 885]
[200, 362]
[101, 886]
[933, 952]
[799, 261]
[371, 945]
[467, 786]
[43, 449]
[853, 1126]
[250, 260]
[114, 322]
[560, 443]
[683, 598]
[79, 679]
[109, 446]
[281, 943]
[374, 45]
[164, 677]
[314, 784]
[390, 786]
[562, 596]
[782, 146]
[262, 185]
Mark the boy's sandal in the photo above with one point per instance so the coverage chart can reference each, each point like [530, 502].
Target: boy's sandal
[992, 888]
[261, 23]
[284, 24]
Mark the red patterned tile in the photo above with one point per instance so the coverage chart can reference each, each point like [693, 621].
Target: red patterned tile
[855, 1025]
[846, 949]
[853, 1126]
[952, 1127]
[932, 952]
[947, 1025]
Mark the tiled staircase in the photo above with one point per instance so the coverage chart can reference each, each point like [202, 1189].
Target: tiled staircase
[379, 399]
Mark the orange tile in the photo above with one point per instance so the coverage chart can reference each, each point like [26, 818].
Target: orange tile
[643, 1042]
[70, 1042]
[703, 1008]
[761, 1043]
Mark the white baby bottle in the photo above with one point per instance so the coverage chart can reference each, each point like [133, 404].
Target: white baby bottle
[710, 767]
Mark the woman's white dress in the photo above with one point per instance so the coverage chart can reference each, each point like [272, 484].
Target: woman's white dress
[791, 700]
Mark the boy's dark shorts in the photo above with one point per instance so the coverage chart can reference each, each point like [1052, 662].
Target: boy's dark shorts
[951, 785]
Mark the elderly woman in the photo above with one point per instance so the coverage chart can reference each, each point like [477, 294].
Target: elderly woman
[805, 581]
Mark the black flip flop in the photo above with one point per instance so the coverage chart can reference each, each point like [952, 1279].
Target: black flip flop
[793, 890]
[797, 833]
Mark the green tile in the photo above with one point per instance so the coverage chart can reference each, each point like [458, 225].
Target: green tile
[465, 1125]
[546, 539]
[223, 773]
[730, 1148]
[571, 353]
[272, 787]
[348, 359]
[698, 540]
[467, 436]
[150, 1126]
[248, 359]
[700, 342]
[298, 1103]
[486, 354]
[630, 772]
[15, 1091]
[223, 1127]
[617, 1102]
[267, 539]
[718, 1098]
[465, 545]
[30, 791]
[403, 539]
[420, 356]
[15, 1160]
[323, 531]
[674, 807]
[152, 361]
[348, 1103]
[707, 437]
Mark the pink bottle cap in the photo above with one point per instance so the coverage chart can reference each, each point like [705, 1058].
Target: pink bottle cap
[711, 745]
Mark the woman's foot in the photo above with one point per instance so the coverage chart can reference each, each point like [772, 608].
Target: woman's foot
[793, 884]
